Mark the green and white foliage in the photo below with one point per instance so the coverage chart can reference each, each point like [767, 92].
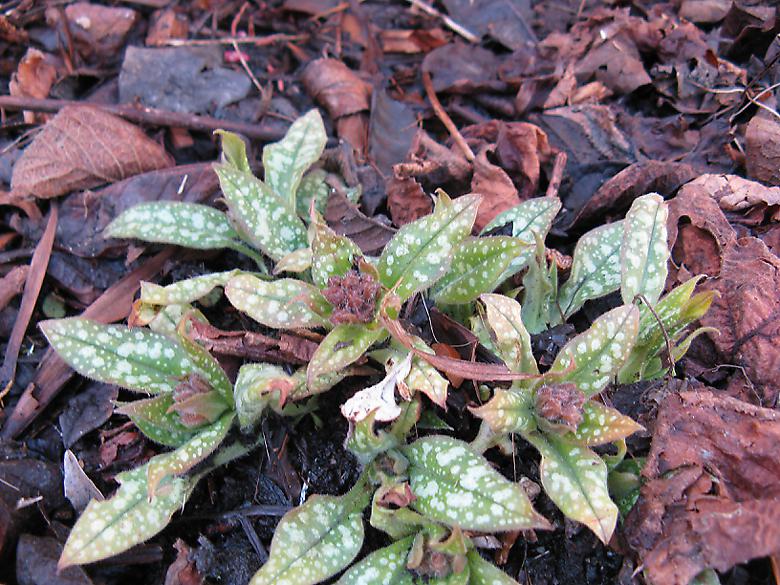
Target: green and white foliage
[595, 269]
[365, 442]
[482, 572]
[386, 565]
[478, 266]
[575, 478]
[594, 357]
[503, 318]
[281, 304]
[295, 262]
[315, 541]
[137, 359]
[313, 188]
[340, 348]
[128, 518]
[457, 487]
[540, 291]
[286, 161]
[509, 411]
[423, 377]
[421, 252]
[184, 291]
[155, 419]
[257, 387]
[172, 222]
[645, 251]
[601, 425]
[332, 254]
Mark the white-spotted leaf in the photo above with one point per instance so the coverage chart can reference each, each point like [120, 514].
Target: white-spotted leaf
[511, 339]
[601, 425]
[509, 411]
[486, 573]
[341, 347]
[477, 267]
[295, 262]
[137, 359]
[286, 161]
[423, 377]
[644, 251]
[365, 442]
[314, 541]
[154, 419]
[257, 386]
[208, 366]
[184, 291]
[128, 518]
[420, 253]
[312, 188]
[332, 254]
[575, 478]
[455, 486]
[281, 304]
[386, 566]
[600, 352]
[173, 222]
[595, 269]
[185, 457]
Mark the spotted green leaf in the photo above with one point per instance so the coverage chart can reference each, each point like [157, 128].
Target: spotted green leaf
[386, 566]
[315, 541]
[600, 352]
[137, 359]
[423, 377]
[295, 262]
[486, 573]
[208, 366]
[332, 254]
[128, 518]
[477, 267]
[165, 319]
[575, 479]
[601, 425]
[185, 457]
[154, 419]
[420, 253]
[184, 291]
[312, 188]
[365, 442]
[540, 291]
[341, 347]
[173, 222]
[595, 269]
[281, 304]
[503, 316]
[286, 161]
[455, 486]
[261, 217]
[509, 411]
[255, 387]
[644, 251]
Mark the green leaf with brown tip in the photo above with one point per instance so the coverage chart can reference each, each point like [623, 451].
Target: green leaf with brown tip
[601, 425]
[341, 347]
[258, 386]
[423, 377]
[477, 267]
[595, 269]
[154, 419]
[286, 161]
[332, 254]
[644, 251]
[137, 359]
[314, 541]
[420, 253]
[486, 573]
[509, 411]
[600, 352]
[128, 518]
[295, 262]
[457, 487]
[575, 478]
[386, 566]
[184, 291]
[208, 366]
[281, 304]
[174, 222]
[503, 317]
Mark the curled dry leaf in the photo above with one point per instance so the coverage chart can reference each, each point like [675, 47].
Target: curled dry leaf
[337, 87]
[499, 193]
[346, 219]
[34, 77]
[712, 496]
[407, 201]
[83, 147]
[762, 149]
[98, 31]
[379, 398]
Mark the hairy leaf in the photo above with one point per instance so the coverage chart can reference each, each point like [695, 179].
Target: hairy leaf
[128, 518]
[644, 251]
[600, 352]
[314, 541]
[454, 485]
[512, 341]
[282, 304]
[601, 425]
[595, 269]
[477, 267]
[286, 161]
[365, 442]
[154, 419]
[312, 188]
[137, 359]
[386, 566]
[575, 478]
[420, 253]
[184, 291]
[255, 387]
[295, 262]
[423, 377]
[174, 222]
[486, 573]
[208, 366]
[332, 254]
[187, 455]
[540, 292]
[341, 347]
[676, 310]
[509, 411]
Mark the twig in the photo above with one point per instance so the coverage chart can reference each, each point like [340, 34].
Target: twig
[256, 41]
[444, 117]
[451, 24]
[557, 174]
[147, 116]
[239, 54]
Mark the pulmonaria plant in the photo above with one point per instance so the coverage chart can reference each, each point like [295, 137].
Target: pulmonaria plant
[434, 496]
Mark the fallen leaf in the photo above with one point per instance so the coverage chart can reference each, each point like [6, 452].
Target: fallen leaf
[183, 570]
[347, 220]
[392, 128]
[12, 284]
[407, 201]
[412, 41]
[433, 164]
[87, 411]
[504, 21]
[83, 147]
[704, 11]
[712, 495]
[34, 77]
[36, 563]
[379, 398]
[499, 193]
[338, 88]
[462, 68]
[79, 489]
[166, 25]
[98, 31]
[762, 149]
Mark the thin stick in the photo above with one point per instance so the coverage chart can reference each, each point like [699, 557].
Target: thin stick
[444, 117]
[256, 41]
[451, 24]
[147, 116]
[557, 174]
[244, 64]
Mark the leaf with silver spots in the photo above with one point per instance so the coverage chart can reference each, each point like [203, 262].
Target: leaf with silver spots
[509, 411]
[386, 565]
[601, 425]
[184, 291]
[644, 251]
[332, 254]
[503, 316]
[341, 347]
[486, 573]
[154, 419]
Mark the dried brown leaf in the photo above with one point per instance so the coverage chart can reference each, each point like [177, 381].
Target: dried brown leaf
[762, 149]
[346, 219]
[498, 190]
[407, 201]
[83, 147]
[98, 31]
[34, 77]
[337, 87]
